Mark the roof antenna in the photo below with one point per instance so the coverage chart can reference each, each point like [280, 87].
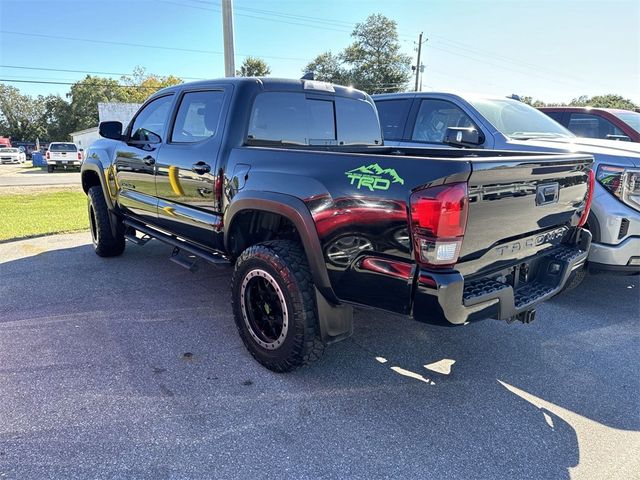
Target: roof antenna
[308, 76]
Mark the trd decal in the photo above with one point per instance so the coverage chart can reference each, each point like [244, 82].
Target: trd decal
[373, 177]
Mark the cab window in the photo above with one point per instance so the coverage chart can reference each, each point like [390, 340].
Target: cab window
[592, 126]
[433, 119]
[152, 118]
[197, 117]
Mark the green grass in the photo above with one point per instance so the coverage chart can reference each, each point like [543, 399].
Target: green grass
[30, 215]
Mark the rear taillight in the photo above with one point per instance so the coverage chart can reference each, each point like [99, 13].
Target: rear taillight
[438, 222]
[48, 156]
[79, 156]
[588, 199]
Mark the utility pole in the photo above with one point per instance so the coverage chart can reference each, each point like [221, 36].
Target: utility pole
[227, 34]
[418, 62]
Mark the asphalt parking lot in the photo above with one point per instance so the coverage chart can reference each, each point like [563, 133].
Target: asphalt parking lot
[16, 176]
[131, 368]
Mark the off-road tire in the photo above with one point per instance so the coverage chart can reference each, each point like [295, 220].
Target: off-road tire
[286, 263]
[50, 168]
[105, 243]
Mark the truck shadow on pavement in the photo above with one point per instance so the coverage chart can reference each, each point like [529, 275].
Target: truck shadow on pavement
[133, 366]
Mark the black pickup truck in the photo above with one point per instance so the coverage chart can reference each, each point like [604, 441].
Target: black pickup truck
[289, 181]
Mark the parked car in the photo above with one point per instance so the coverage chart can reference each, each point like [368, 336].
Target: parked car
[288, 180]
[12, 155]
[63, 155]
[462, 121]
[605, 123]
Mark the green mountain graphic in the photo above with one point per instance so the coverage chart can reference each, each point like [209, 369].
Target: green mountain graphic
[375, 169]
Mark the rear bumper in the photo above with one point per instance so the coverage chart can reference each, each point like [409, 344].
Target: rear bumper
[65, 163]
[446, 298]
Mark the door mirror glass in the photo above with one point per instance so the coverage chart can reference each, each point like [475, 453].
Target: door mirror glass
[112, 130]
[145, 137]
[462, 137]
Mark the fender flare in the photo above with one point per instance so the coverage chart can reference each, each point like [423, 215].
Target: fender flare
[94, 164]
[336, 320]
[297, 213]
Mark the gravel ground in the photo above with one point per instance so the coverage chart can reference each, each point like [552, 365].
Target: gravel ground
[131, 368]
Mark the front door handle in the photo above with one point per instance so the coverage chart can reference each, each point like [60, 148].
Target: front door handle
[200, 168]
[149, 160]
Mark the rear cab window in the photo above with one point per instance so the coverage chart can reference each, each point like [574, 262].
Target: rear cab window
[292, 118]
[63, 147]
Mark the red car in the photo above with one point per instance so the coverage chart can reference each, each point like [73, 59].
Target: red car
[605, 123]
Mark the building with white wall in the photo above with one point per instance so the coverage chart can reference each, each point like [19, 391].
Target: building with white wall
[107, 112]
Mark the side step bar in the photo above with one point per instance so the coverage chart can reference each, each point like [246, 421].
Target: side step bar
[131, 236]
[211, 257]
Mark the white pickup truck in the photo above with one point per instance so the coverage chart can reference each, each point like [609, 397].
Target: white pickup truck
[63, 155]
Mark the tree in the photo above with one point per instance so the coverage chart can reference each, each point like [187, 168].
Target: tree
[604, 101]
[377, 65]
[534, 103]
[253, 67]
[139, 85]
[135, 88]
[20, 115]
[373, 62]
[85, 96]
[328, 67]
[57, 118]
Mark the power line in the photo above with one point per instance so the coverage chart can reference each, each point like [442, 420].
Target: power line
[89, 72]
[109, 42]
[140, 45]
[310, 25]
[452, 43]
[528, 72]
[47, 82]
[54, 82]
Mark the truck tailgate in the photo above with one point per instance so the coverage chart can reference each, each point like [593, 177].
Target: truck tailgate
[61, 156]
[519, 206]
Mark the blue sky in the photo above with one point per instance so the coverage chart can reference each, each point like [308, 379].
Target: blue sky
[553, 50]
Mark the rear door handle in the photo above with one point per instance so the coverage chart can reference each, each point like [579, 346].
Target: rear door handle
[149, 160]
[200, 168]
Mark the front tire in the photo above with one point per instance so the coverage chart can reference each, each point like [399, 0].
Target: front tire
[105, 243]
[274, 305]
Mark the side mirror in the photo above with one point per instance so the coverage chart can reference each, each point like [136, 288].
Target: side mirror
[112, 130]
[462, 137]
